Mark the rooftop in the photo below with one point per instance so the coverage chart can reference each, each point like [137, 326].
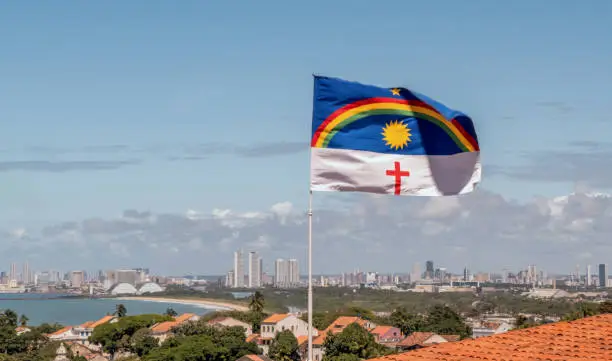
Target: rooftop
[585, 339]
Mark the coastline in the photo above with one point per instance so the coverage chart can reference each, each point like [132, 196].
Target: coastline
[204, 303]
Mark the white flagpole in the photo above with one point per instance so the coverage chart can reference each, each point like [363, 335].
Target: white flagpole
[310, 358]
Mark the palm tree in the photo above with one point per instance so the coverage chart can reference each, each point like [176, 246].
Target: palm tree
[257, 302]
[23, 320]
[10, 318]
[171, 312]
[120, 310]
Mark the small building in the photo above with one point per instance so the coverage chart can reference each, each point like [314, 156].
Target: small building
[488, 328]
[21, 330]
[254, 358]
[231, 322]
[418, 340]
[161, 331]
[387, 335]
[281, 322]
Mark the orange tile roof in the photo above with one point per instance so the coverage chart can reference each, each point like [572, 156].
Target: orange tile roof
[163, 327]
[415, 338]
[341, 322]
[381, 330]
[585, 339]
[59, 332]
[101, 321]
[86, 324]
[320, 340]
[184, 317]
[256, 358]
[302, 339]
[275, 318]
[252, 337]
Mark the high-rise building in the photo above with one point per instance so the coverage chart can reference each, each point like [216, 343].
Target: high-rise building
[26, 276]
[76, 279]
[587, 281]
[415, 275]
[603, 275]
[238, 269]
[229, 279]
[13, 273]
[286, 273]
[255, 270]
[429, 269]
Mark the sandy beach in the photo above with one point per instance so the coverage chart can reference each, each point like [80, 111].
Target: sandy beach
[208, 303]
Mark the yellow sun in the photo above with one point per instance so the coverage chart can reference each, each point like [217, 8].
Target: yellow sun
[396, 134]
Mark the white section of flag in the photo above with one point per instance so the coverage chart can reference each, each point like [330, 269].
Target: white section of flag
[344, 170]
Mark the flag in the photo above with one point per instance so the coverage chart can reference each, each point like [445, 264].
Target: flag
[389, 141]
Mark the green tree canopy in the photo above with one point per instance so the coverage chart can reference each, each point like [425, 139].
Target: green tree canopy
[444, 320]
[353, 340]
[284, 347]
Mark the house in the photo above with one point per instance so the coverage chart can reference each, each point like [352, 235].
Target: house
[281, 322]
[584, 339]
[231, 322]
[254, 358]
[387, 335]
[336, 327]
[21, 330]
[90, 353]
[487, 328]
[162, 330]
[418, 340]
[62, 334]
[81, 332]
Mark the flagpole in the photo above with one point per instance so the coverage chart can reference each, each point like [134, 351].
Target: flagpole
[310, 358]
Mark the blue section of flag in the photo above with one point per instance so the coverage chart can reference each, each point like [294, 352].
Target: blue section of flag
[332, 94]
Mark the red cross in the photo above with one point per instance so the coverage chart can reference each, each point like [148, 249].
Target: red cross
[398, 174]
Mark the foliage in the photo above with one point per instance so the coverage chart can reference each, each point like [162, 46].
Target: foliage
[407, 322]
[284, 347]
[353, 340]
[584, 310]
[197, 341]
[114, 337]
[47, 328]
[120, 310]
[257, 302]
[142, 342]
[252, 318]
[605, 307]
[23, 320]
[171, 312]
[443, 320]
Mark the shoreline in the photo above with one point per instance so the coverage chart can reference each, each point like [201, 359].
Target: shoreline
[204, 303]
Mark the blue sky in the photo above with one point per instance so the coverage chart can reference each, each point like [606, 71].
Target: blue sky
[149, 89]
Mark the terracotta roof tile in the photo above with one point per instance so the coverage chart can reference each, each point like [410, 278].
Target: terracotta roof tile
[184, 317]
[585, 339]
[381, 330]
[276, 318]
[101, 321]
[302, 340]
[164, 327]
[415, 338]
[59, 332]
[252, 337]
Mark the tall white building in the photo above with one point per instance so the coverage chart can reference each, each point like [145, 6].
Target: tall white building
[13, 273]
[286, 273]
[26, 277]
[255, 270]
[587, 281]
[238, 269]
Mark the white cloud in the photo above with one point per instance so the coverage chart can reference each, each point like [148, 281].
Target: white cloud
[350, 231]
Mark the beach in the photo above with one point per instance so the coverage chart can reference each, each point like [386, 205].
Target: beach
[202, 302]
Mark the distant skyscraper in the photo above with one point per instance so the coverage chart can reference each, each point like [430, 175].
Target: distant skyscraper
[466, 274]
[238, 269]
[13, 273]
[587, 281]
[77, 278]
[603, 275]
[255, 270]
[26, 277]
[429, 269]
[287, 273]
[415, 275]
[229, 279]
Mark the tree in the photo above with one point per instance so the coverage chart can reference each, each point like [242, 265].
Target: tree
[23, 320]
[142, 342]
[171, 312]
[8, 318]
[445, 321]
[353, 340]
[284, 347]
[584, 310]
[257, 303]
[120, 310]
[406, 322]
[605, 307]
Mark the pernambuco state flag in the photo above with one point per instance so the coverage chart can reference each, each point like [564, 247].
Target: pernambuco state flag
[389, 141]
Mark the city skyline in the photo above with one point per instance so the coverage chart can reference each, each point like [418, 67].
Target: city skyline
[118, 147]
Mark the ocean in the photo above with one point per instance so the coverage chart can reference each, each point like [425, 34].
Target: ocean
[39, 308]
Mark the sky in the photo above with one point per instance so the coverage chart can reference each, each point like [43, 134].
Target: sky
[168, 134]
